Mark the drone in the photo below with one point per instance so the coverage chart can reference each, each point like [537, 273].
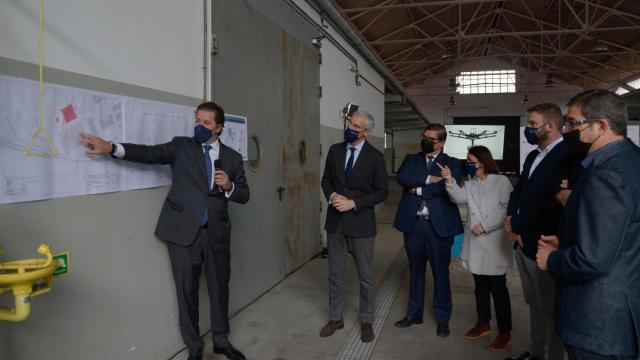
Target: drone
[472, 135]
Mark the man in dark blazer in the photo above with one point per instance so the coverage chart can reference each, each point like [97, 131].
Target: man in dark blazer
[194, 220]
[533, 211]
[354, 182]
[597, 268]
[429, 221]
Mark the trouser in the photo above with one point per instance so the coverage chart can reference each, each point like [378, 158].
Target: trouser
[495, 286]
[361, 248]
[539, 293]
[423, 244]
[186, 264]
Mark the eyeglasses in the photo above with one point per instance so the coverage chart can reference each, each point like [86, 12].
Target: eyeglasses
[435, 140]
[354, 126]
[577, 122]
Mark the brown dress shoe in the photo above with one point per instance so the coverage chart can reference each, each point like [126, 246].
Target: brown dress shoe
[331, 328]
[366, 332]
[479, 330]
[501, 342]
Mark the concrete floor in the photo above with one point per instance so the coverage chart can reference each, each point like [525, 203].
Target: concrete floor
[284, 323]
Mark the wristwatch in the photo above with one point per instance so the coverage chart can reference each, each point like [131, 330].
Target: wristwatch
[113, 149]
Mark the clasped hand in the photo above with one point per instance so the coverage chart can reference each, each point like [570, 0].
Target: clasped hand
[546, 245]
[342, 203]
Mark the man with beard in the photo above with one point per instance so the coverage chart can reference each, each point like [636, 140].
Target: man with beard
[533, 211]
[429, 221]
[595, 260]
[577, 149]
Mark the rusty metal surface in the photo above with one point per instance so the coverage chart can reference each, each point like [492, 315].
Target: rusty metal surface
[301, 174]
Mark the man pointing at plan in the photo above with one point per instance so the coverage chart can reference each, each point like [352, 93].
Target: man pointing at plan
[194, 221]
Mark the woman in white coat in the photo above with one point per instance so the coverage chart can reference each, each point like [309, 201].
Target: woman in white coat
[486, 250]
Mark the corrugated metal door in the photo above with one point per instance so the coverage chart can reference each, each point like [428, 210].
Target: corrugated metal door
[264, 73]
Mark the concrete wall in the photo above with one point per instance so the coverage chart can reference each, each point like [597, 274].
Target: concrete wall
[118, 302]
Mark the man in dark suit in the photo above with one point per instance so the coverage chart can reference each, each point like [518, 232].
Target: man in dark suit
[429, 221]
[532, 211]
[597, 268]
[354, 182]
[194, 221]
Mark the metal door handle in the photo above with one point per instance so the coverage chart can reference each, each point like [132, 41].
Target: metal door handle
[280, 190]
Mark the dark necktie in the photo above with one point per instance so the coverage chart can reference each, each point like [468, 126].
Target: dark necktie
[209, 166]
[349, 169]
[429, 162]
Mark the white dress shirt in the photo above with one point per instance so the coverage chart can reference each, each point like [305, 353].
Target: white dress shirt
[356, 153]
[542, 154]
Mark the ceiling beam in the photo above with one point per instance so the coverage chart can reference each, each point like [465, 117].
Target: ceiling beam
[385, 2]
[504, 34]
[416, 5]
[558, 27]
[613, 10]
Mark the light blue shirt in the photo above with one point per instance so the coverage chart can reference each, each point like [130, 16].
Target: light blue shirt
[356, 153]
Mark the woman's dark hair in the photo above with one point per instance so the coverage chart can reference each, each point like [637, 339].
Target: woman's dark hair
[484, 156]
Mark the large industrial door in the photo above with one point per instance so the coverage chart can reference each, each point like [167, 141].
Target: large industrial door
[263, 72]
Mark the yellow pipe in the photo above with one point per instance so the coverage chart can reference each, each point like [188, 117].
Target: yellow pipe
[22, 305]
[26, 278]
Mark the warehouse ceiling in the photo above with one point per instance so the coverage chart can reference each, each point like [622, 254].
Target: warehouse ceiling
[588, 43]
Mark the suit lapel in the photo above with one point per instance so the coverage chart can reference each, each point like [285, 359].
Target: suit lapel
[223, 156]
[198, 156]
[433, 168]
[548, 159]
[526, 168]
[420, 164]
[340, 158]
[361, 158]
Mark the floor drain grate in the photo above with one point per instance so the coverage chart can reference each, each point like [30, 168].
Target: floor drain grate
[353, 348]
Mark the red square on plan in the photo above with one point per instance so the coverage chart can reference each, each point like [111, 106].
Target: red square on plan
[68, 113]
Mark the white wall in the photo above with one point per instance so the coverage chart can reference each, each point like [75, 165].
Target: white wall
[150, 43]
[338, 82]
[433, 98]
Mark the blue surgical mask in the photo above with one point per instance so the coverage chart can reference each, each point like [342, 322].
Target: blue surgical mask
[202, 134]
[350, 135]
[471, 169]
[531, 134]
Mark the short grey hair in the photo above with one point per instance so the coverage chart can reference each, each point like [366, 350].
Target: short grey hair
[603, 103]
[371, 123]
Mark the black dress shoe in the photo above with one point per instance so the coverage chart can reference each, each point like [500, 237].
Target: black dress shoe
[195, 357]
[524, 356]
[229, 351]
[443, 330]
[408, 321]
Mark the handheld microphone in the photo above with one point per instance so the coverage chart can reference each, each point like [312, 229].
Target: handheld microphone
[217, 164]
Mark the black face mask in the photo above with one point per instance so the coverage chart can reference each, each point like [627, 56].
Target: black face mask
[427, 146]
[577, 148]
